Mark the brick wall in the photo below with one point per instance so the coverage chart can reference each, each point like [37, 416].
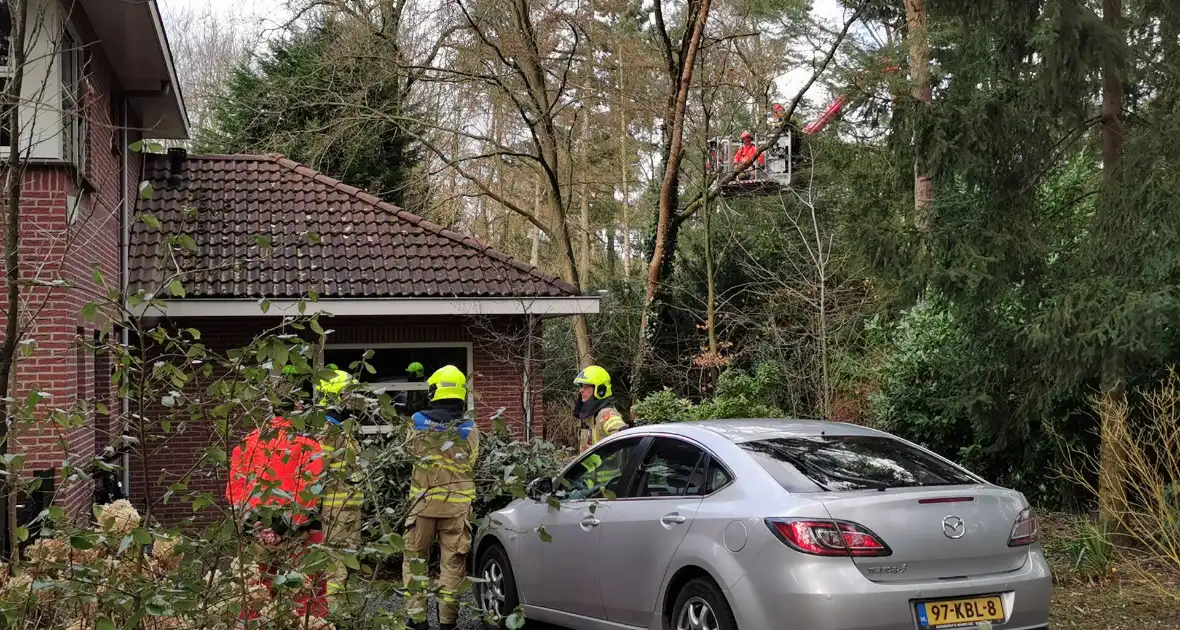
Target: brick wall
[56, 249]
[496, 380]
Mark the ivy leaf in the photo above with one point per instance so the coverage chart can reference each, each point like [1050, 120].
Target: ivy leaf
[22, 533]
[146, 190]
[176, 288]
[137, 146]
[515, 621]
[104, 624]
[351, 562]
[150, 220]
[544, 535]
[90, 311]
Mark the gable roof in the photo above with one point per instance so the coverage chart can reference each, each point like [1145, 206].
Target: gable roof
[234, 206]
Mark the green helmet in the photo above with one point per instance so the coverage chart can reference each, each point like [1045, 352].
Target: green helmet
[597, 378]
[448, 382]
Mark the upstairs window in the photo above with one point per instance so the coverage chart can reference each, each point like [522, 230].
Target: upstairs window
[5, 68]
[73, 75]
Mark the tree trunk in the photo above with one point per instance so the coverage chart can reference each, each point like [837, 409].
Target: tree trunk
[584, 200]
[1111, 467]
[13, 188]
[669, 194]
[535, 257]
[919, 44]
[623, 170]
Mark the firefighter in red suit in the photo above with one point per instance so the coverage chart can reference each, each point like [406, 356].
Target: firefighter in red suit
[270, 474]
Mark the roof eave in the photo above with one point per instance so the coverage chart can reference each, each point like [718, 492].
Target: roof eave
[136, 43]
[371, 307]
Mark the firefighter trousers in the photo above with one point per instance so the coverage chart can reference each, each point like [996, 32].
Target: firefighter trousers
[454, 538]
[344, 532]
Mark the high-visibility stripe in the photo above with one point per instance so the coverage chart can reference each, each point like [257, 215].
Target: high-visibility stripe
[343, 499]
[443, 494]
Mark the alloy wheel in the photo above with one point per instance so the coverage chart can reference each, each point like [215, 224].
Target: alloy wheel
[696, 614]
[492, 590]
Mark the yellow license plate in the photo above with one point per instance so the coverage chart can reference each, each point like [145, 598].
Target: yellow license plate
[959, 613]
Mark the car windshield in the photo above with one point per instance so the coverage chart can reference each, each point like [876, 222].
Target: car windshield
[850, 462]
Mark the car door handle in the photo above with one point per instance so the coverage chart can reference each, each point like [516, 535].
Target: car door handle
[590, 521]
[672, 519]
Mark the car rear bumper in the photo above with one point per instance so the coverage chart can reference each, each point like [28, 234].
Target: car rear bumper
[832, 594]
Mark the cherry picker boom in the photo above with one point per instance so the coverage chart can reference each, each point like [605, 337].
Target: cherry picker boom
[781, 159]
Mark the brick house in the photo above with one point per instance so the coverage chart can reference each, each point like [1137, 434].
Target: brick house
[98, 77]
[392, 282]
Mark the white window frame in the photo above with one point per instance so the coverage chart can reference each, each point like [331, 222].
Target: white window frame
[409, 387]
[75, 130]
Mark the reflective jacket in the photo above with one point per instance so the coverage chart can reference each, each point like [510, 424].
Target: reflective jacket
[343, 490]
[607, 421]
[445, 446]
[274, 471]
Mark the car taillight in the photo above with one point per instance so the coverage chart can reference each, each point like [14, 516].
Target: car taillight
[828, 538]
[1025, 530]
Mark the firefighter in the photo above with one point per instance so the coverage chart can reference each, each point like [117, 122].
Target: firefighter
[415, 399]
[445, 445]
[270, 474]
[343, 496]
[594, 407]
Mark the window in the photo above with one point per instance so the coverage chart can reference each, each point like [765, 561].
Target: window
[599, 474]
[83, 392]
[717, 478]
[73, 102]
[5, 70]
[102, 393]
[389, 364]
[851, 462]
[672, 468]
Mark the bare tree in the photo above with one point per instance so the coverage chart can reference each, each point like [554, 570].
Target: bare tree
[206, 45]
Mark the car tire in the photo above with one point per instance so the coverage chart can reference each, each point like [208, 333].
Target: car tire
[497, 593]
[701, 600]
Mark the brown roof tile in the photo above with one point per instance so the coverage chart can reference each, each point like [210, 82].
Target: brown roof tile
[232, 205]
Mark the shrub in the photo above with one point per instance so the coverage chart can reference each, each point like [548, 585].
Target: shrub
[739, 395]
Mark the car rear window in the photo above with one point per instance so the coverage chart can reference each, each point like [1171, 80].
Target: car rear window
[850, 462]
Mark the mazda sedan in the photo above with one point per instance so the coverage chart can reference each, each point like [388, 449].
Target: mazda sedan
[761, 525]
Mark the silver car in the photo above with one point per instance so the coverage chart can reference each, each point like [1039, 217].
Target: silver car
[761, 525]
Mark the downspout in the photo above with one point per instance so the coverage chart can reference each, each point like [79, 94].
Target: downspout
[527, 390]
[124, 265]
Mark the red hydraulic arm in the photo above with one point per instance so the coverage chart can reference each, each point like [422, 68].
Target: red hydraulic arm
[833, 110]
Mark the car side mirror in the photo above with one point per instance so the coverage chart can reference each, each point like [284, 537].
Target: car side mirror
[539, 487]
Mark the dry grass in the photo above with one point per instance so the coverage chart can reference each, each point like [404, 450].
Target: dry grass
[1117, 599]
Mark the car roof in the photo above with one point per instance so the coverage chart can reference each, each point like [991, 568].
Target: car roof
[740, 431]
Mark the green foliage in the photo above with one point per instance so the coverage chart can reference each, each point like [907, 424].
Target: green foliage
[503, 469]
[739, 395]
[922, 396]
[319, 98]
[1090, 549]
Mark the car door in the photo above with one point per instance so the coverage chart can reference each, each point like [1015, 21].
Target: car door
[564, 558]
[641, 532]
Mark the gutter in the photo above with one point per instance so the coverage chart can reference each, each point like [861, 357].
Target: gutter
[124, 265]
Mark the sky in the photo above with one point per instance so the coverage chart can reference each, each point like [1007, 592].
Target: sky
[270, 14]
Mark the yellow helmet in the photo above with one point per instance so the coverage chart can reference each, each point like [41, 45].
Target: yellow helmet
[447, 382]
[596, 377]
[335, 385]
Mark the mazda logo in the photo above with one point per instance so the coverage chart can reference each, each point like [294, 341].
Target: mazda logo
[953, 527]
